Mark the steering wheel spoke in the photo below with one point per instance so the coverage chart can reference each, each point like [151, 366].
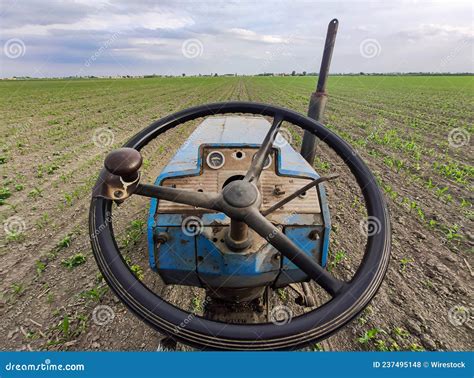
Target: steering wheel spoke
[290, 250]
[255, 170]
[209, 201]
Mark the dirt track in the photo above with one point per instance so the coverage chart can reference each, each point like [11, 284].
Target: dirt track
[47, 133]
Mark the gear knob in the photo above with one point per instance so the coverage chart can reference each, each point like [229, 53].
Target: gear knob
[124, 162]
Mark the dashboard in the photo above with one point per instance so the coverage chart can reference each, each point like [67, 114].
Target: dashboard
[219, 166]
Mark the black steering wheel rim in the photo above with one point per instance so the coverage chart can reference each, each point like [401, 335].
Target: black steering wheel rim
[206, 334]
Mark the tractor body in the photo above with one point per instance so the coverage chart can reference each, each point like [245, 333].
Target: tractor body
[187, 245]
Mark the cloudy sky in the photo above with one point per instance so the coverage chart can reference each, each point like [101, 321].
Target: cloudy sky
[48, 38]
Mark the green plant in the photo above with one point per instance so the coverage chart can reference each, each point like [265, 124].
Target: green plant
[40, 267]
[17, 288]
[369, 335]
[35, 193]
[452, 233]
[197, 305]
[338, 257]
[74, 261]
[317, 348]
[398, 331]
[65, 242]
[282, 294]
[134, 232]
[404, 262]
[4, 194]
[95, 294]
[137, 271]
[416, 348]
[64, 326]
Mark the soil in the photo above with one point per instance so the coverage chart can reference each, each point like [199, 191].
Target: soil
[46, 305]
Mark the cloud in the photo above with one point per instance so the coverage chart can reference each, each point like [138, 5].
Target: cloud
[111, 23]
[446, 32]
[250, 35]
[244, 37]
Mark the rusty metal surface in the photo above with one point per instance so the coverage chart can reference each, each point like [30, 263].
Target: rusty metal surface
[272, 186]
[318, 99]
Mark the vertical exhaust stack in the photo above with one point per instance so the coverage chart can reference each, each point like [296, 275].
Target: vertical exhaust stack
[318, 99]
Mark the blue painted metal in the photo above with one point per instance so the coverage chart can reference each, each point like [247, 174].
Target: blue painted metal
[237, 270]
[289, 272]
[176, 259]
[199, 259]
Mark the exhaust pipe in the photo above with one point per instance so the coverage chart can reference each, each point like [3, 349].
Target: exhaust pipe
[318, 99]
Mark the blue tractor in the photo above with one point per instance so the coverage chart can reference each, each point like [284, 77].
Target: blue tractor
[238, 211]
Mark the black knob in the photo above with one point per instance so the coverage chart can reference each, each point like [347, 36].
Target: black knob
[124, 162]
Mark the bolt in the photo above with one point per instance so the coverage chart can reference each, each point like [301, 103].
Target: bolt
[313, 235]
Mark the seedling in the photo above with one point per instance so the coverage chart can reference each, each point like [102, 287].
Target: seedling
[75, 260]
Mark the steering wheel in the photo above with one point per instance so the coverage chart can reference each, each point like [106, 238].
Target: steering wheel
[240, 200]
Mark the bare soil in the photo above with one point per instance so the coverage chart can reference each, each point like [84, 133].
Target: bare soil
[47, 133]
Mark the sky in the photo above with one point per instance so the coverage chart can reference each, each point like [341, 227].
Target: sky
[52, 38]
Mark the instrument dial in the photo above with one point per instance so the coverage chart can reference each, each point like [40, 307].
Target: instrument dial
[215, 159]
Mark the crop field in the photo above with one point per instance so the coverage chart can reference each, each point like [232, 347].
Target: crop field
[412, 131]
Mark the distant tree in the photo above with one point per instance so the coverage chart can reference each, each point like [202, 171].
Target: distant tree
[215, 75]
[183, 74]
[293, 73]
[304, 73]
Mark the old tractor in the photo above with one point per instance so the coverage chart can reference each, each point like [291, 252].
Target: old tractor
[239, 212]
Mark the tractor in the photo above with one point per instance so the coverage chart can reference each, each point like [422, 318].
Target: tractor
[239, 212]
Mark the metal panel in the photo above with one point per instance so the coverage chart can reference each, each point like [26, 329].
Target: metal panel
[216, 264]
[300, 236]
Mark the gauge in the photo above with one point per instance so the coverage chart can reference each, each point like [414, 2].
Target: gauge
[268, 161]
[215, 159]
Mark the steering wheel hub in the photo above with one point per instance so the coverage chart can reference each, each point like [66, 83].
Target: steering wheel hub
[240, 194]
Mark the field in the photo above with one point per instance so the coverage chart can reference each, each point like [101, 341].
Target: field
[413, 132]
